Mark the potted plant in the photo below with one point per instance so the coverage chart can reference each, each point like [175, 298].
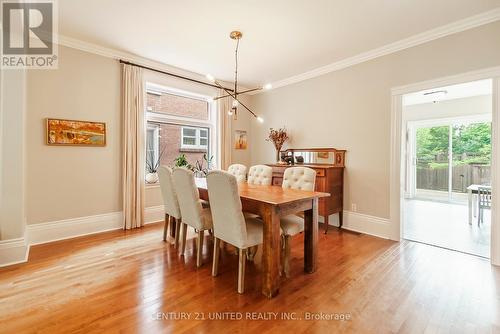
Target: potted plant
[278, 138]
[199, 167]
[152, 165]
[181, 161]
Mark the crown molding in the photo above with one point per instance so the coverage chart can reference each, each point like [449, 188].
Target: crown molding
[427, 36]
[117, 54]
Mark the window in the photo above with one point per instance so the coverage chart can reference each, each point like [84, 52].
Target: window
[194, 138]
[178, 123]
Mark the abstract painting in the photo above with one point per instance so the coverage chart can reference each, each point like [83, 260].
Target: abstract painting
[240, 139]
[80, 133]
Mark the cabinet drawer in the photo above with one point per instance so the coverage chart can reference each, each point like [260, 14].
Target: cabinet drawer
[320, 172]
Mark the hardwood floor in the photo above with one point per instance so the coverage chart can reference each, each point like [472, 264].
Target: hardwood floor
[122, 281]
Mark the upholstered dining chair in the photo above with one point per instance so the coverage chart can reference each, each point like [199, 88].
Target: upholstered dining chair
[230, 225]
[239, 171]
[260, 174]
[170, 203]
[192, 211]
[302, 178]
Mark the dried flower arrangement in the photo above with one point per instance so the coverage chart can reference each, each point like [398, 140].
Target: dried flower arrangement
[278, 138]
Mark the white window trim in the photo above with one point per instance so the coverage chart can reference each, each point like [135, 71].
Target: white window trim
[156, 143]
[197, 138]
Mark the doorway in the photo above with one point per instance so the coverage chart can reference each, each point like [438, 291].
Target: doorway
[448, 142]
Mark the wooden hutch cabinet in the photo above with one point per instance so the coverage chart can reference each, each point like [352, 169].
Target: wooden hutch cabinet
[329, 166]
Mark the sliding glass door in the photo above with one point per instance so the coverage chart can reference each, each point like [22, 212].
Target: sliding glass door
[432, 162]
[449, 157]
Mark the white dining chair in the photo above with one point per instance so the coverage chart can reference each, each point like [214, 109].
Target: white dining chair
[483, 202]
[301, 178]
[230, 225]
[192, 211]
[260, 174]
[170, 203]
[239, 171]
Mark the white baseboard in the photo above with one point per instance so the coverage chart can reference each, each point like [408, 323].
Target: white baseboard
[77, 227]
[13, 251]
[372, 225]
[154, 214]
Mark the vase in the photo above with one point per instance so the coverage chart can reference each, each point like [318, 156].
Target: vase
[151, 178]
[278, 157]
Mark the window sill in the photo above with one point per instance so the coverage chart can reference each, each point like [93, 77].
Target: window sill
[152, 185]
[193, 150]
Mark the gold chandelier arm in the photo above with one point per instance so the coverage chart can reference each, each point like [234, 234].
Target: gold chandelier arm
[250, 90]
[220, 97]
[234, 97]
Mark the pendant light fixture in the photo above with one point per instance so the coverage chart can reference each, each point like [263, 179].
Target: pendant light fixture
[236, 35]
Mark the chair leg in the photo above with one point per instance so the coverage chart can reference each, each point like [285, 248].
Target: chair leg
[165, 227]
[184, 235]
[199, 246]
[215, 263]
[178, 223]
[286, 252]
[241, 270]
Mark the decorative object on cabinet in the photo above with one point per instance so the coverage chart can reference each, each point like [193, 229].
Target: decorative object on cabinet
[77, 133]
[278, 138]
[329, 166]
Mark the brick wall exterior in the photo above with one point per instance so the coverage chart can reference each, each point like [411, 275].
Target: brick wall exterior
[178, 106]
[170, 138]
[170, 134]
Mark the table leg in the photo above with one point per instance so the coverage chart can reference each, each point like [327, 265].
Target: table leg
[311, 237]
[271, 251]
[469, 202]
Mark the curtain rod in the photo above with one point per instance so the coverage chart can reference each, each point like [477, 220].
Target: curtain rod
[171, 74]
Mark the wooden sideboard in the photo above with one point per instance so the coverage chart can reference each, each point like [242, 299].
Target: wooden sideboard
[329, 179]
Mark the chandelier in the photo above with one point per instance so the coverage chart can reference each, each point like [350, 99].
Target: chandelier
[233, 94]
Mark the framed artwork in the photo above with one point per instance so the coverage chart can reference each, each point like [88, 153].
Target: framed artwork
[76, 133]
[240, 140]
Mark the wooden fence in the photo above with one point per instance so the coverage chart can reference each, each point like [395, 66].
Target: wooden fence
[463, 176]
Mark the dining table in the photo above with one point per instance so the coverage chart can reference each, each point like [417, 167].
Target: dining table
[271, 203]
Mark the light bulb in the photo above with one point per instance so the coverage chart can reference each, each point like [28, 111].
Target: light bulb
[268, 86]
[260, 119]
[230, 112]
[210, 78]
[235, 103]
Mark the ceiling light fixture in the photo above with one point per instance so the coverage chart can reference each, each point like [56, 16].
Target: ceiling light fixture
[237, 35]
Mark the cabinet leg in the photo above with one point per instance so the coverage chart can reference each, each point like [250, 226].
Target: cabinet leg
[326, 219]
[341, 218]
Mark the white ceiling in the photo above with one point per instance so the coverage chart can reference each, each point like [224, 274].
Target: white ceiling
[463, 90]
[281, 38]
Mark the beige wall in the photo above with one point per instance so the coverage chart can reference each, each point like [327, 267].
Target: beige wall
[70, 182]
[12, 153]
[350, 108]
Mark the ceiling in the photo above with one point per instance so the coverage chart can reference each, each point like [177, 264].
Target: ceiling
[281, 38]
[459, 91]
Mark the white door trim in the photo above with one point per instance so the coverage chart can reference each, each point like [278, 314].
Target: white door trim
[396, 181]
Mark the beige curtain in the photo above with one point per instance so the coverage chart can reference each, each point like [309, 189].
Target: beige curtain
[133, 147]
[225, 128]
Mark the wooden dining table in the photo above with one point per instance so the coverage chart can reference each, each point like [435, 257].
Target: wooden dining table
[271, 203]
